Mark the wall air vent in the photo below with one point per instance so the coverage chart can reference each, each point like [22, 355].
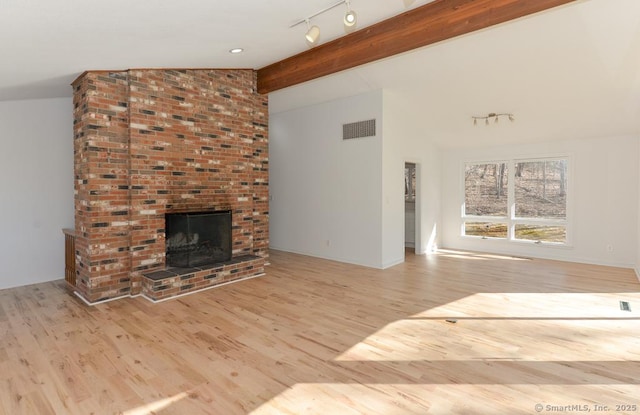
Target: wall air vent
[359, 129]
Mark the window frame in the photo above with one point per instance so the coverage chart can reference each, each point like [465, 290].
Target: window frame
[511, 220]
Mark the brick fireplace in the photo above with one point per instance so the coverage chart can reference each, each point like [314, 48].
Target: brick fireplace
[151, 142]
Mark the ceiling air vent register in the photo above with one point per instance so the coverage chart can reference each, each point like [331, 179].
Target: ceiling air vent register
[359, 129]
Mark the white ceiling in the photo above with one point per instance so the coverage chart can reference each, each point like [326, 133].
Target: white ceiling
[569, 72]
[45, 44]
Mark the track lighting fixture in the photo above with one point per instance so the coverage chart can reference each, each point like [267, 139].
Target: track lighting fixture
[492, 116]
[313, 32]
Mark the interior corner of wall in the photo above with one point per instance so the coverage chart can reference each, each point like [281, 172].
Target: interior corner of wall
[389, 264]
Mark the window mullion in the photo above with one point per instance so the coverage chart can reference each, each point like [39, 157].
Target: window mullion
[511, 201]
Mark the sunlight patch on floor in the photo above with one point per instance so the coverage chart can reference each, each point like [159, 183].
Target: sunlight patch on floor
[537, 305]
[477, 256]
[506, 322]
[337, 398]
[154, 407]
[401, 399]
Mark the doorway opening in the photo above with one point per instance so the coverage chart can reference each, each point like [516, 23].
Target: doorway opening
[411, 208]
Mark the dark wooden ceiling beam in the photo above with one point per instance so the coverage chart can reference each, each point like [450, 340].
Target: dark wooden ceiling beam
[422, 26]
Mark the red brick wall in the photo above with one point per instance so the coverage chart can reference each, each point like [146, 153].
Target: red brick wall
[149, 142]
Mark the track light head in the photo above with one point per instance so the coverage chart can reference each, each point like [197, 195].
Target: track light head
[350, 17]
[313, 33]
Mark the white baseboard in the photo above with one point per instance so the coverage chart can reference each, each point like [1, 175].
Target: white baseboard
[392, 263]
[329, 257]
[87, 302]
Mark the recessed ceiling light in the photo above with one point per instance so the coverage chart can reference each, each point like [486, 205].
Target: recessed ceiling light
[236, 50]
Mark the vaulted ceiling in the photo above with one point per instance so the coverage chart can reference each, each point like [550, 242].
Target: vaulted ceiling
[569, 72]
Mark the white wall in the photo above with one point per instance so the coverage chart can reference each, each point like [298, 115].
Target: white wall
[36, 172]
[604, 191]
[410, 225]
[325, 192]
[638, 237]
[350, 193]
[406, 140]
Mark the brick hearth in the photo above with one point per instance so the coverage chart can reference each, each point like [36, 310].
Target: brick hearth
[160, 285]
[150, 142]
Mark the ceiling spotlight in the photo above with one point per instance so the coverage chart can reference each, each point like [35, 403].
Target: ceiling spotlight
[236, 50]
[350, 17]
[313, 33]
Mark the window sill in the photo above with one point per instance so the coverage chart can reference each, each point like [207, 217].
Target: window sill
[553, 245]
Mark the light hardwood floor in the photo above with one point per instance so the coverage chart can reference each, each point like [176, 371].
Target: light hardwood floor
[320, 337]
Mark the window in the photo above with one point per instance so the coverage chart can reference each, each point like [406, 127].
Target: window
[486, 195]
[485, 189]
[486, 229]
[541, 200]
[523, 200]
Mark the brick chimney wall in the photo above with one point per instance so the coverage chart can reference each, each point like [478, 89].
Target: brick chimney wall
[150, 142]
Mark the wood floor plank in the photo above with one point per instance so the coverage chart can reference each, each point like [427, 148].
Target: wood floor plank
[449, 333]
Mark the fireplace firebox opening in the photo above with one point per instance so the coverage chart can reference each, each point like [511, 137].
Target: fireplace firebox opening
[195, 239]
